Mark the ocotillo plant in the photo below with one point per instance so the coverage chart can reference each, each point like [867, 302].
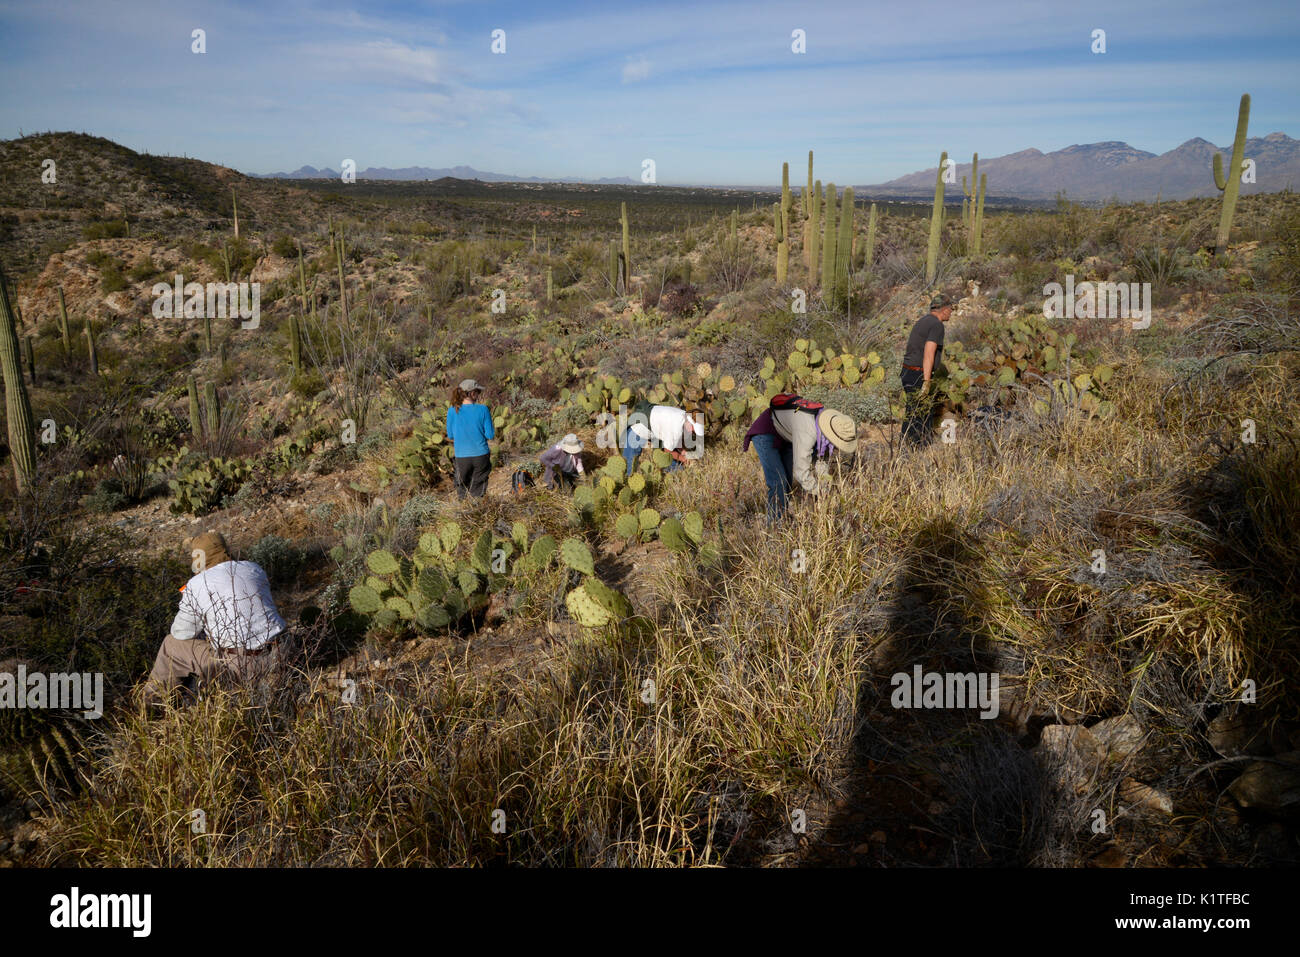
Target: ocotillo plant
[534, 237]
[196, 416]
[18, 409]
[869, 252]
[90, 345]
[295, 344]
[213, 407]
[1230, 185]
[64, 333]
[225, 259]
[936, 222]
[829, 244]
[207, 334]
[844, 252]
[234, 205]
[31, 358]
[627, 254]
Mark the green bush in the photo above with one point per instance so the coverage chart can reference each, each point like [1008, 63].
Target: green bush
[280, 558]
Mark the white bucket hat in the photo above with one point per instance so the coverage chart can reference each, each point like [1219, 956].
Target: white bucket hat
[571, 444]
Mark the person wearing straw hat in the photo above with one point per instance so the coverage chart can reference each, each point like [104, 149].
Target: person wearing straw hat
[920, 360]
[227, 625]
[469, 426]
[794, 445]
[563, 461]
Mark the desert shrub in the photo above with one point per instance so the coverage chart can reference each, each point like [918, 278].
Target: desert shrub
[111, 278]
[285, 246]
[143, 271]
[280, 558]
[106, 229]
[863, 406]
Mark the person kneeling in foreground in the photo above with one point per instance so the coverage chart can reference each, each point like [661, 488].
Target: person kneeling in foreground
[227, 624]
[793, 444]
[566, 458]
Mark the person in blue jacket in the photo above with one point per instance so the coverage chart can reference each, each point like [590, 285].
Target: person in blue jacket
[469, 426]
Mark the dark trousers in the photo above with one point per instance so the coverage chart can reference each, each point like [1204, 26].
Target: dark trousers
[777, 459]
[919, 409]
[472, 475]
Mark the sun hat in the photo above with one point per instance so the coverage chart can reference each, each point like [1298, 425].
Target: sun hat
[941, 300]
[469, 385]
[571, 444]
[839, 429]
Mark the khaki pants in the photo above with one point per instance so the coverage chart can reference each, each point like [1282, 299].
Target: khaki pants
[179, 660]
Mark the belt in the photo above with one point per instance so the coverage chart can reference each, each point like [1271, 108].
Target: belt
[245, 652]
[914, 368]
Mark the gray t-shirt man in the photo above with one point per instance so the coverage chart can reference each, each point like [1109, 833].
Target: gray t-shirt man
[929, 328]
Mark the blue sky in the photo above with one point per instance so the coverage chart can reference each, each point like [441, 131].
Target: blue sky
[709, 90]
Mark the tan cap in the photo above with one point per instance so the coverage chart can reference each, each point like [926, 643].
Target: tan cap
[211, 548]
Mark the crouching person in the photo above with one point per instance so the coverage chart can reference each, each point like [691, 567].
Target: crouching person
[794, 439]
[227, 626]
[563, 463]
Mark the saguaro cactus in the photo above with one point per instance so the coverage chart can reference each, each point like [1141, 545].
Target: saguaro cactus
[1230, 185]
[829, 244]
[869, 252]
[844, 252]
[18, 409]
[613, 266]
[234, 205]
[550, 284]
[627, 253]
[90, 346]
[213, 407]
[936, 222]
[196, 416]
[808, 228]
[814, 239]
[64, 333]
[782, 245]
[968, 192]
[978, 216]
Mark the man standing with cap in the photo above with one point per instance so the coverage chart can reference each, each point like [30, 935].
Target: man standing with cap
[227, 623]
[566, 458]
[920, 359]
[469, 426]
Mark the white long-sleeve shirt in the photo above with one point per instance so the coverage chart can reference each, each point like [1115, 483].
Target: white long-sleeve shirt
[230, 604]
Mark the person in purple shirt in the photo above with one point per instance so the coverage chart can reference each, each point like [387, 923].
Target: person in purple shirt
[564, 458]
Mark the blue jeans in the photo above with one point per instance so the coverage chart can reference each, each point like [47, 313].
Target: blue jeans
[777, 459]
[632, 446]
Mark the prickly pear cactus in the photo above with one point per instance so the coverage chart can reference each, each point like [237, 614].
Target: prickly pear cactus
[575, 553]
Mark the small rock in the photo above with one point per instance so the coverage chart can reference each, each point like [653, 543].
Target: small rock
[1143, 796]
[862, 849]
[1120, 736]
[877, 837]
[1240, 732]
[1272, 785]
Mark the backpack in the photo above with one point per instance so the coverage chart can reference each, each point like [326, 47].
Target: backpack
[520, 480]
[784, 401]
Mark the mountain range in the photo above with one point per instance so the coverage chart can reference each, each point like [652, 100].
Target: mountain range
[1091, 172]
[424, 172]
[1101, 171]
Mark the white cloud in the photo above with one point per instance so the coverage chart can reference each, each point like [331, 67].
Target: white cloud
[636, 69]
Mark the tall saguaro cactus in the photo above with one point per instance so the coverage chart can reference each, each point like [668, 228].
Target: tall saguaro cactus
[213, 409]
[814, 239]
[782, 215]
[627, 253]
[807, 216]
[868, 254]
[936, 223]
[843, 252]
[1230, 185]
[968, 192]
[234, 205]
[977, 215]
[829, 244]
[18, 409]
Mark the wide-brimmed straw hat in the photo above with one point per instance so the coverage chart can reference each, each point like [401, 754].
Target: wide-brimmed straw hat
[840, 429]
[571, 444]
